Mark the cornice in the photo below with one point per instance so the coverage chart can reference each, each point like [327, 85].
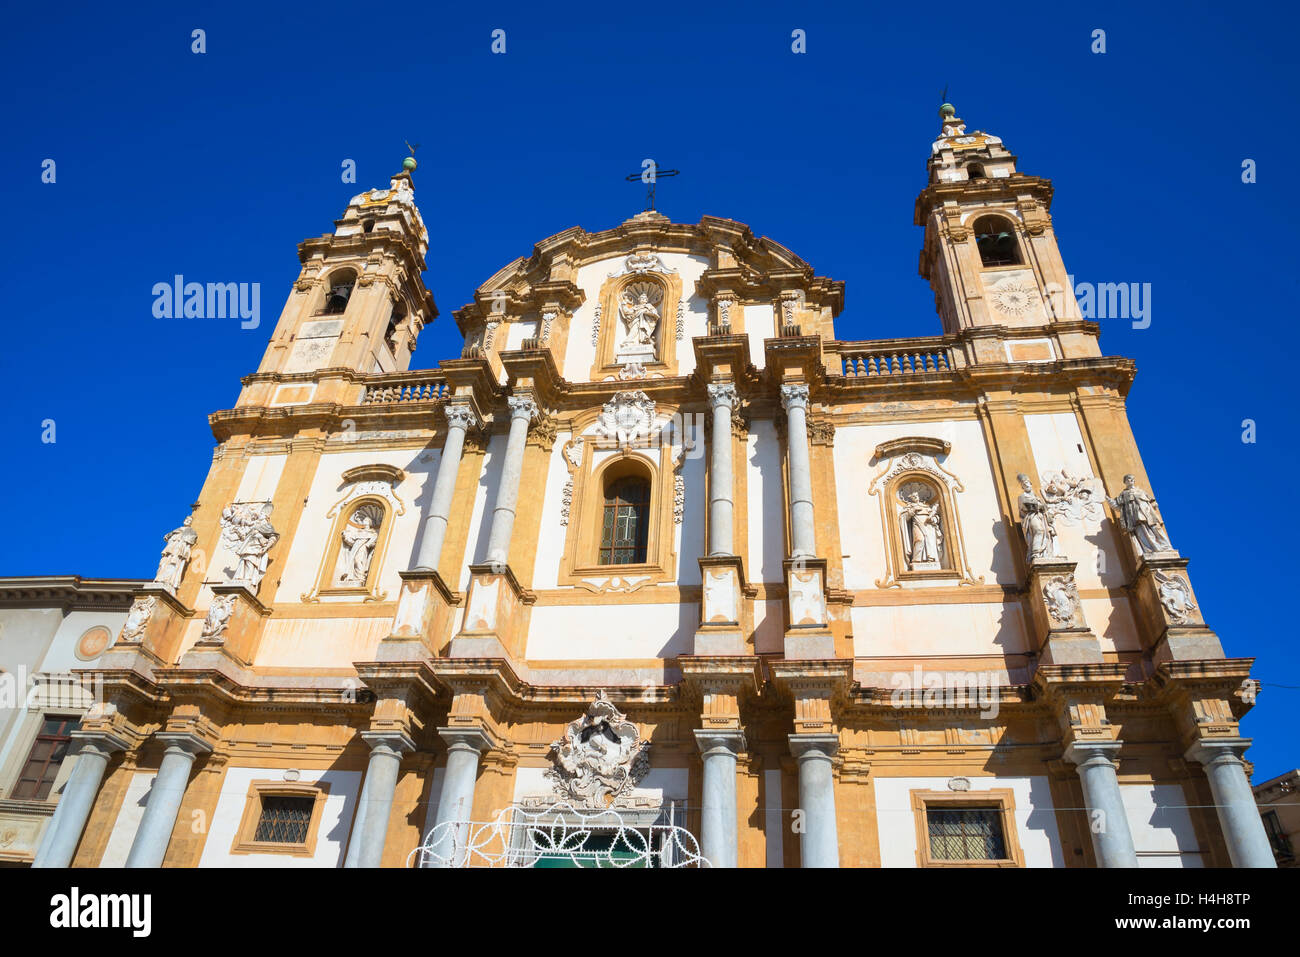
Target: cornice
[69, 592]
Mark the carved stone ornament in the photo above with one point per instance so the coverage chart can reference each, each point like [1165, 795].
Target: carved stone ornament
[600, 758]
[1176, 596]
[626, 418]
[247, 531]
[681, 319]
[218, 617]
[1075, 499]
[137, 618]
[548, 318]
[631, 370]
[595, 325]
[642, 263]
[1062, 598]
[572, 458]
[1014, 297]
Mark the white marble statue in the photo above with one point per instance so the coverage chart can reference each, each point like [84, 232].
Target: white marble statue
[1140, 517]
[921, 526]
[640, 316]
[246, 529]
[1037, 523]
[359, 537]
[176, 555]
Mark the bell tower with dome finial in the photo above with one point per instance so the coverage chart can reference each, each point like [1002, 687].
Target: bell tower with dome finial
[359, 302]
[990, 251]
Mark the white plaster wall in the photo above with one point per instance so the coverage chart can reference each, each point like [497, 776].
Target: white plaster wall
[331, 837]
[550, 540]
[988, 548]
[765, 499]
[480, 521]
[760, 324]
[1057, 444]
[983, 628]
[689, 535]
[128, 819]
[1035, 817]
[517, 332]
[310, 542]
[579, 353]
[610, 632]
[1161, 825]
[61, 655]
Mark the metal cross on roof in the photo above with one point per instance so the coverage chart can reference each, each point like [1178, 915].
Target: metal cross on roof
[649, 175]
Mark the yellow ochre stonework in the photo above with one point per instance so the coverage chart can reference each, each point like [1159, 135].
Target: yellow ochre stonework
[830, 636]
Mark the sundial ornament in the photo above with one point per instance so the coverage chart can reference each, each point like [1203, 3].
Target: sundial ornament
[600, 758]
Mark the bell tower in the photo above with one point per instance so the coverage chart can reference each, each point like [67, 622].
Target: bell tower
[990, 252]
[359, 302]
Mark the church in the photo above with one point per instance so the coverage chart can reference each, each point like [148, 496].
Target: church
[657, 572]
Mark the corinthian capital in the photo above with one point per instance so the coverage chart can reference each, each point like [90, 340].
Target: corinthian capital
[794, 396]
[460, 415]
[723, 393]
[522, 407]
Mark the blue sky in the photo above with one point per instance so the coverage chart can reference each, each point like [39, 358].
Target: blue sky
[215, 166]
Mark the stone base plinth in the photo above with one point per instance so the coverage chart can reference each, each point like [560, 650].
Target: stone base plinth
[422, 623]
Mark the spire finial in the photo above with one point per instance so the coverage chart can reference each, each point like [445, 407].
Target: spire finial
[946, 110]
[409, 163]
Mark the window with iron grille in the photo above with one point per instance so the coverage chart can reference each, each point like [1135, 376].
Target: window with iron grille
[965, 833]
[284, 819]
[42, 766]
[1277, 836]
[625, 525]
[995, 238]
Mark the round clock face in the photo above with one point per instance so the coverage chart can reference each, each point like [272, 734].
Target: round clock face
[1014, 298]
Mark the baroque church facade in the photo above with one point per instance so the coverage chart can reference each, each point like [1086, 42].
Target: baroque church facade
[660, 554]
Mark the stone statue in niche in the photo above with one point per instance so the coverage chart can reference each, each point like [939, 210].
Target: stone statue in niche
[638, 310]
[360, 534]
[1139, 516]
[247, 531]
[921, 526]
[176, 555]
[1036, 522]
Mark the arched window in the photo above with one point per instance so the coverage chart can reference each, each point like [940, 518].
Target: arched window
[996, 239]
[625, 522]
[394, 321]
[340, 291]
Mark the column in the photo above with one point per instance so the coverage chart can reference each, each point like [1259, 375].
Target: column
[819, 844]
[522, 412]
[456, 800]
[722, 399]
[459, 418]
[718, 806]
[1107, 820]
[64, 831]
[165, 796]
[803, 531]
[375, 806]
[1243, 830]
